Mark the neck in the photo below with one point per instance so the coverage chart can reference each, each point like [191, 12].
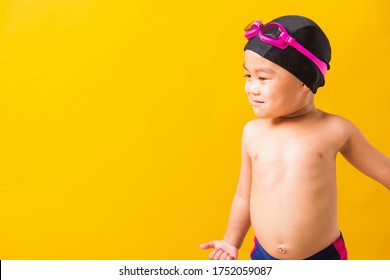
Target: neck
[303, 113]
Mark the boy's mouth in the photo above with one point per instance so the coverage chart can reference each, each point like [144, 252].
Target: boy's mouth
[255, 102]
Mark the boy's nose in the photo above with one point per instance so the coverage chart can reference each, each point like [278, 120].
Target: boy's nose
[254, 90]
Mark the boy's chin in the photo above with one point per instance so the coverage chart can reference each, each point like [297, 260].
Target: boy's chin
[263, 115]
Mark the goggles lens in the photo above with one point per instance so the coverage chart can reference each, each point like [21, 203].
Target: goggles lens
[271, 30]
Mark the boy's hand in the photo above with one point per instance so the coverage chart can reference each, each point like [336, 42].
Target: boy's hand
[222, 250]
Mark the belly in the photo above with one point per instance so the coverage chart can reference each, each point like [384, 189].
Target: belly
[294, 220]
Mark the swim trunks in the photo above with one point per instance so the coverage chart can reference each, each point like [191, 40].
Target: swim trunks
[335, 251]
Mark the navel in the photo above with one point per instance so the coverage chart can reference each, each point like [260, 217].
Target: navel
[282, 249]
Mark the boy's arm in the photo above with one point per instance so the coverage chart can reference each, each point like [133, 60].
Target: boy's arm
[361, 154]
[239, 218]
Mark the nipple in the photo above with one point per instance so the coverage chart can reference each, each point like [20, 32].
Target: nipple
[282, 249]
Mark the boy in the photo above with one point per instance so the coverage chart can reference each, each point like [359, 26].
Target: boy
[287, 183]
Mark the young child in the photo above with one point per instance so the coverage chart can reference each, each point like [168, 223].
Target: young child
[287, 183]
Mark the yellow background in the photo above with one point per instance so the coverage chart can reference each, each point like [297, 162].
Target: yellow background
[120, 123]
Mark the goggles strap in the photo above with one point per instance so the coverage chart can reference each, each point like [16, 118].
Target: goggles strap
[320, 64]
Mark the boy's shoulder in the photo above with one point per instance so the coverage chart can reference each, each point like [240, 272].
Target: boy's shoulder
[337, 122]
[252, 126]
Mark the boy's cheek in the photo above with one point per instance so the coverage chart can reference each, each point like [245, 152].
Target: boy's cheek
[246, 87]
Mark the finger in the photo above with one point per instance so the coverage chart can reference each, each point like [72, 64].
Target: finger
[224, 256]
[212, 254]
[218, 255]
[230, 258]
[208, 245]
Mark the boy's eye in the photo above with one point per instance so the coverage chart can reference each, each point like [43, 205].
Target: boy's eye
[247, 76]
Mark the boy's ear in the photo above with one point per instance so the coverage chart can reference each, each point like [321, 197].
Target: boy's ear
[305, 88]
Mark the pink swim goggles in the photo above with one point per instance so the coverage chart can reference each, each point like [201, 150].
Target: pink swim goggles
[275, 34]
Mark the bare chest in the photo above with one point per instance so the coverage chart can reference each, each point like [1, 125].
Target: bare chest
[292, 150]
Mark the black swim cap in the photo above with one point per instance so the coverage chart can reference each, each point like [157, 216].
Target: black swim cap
[308, 34]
